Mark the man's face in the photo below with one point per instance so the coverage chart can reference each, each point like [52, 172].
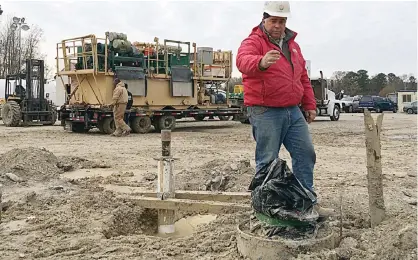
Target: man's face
[275, 26]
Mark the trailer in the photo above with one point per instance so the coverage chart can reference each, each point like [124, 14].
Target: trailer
[81, 119]
[168, 81]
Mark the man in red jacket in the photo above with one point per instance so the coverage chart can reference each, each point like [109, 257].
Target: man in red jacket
[275, 82]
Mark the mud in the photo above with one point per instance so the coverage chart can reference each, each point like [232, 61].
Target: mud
[21, 165]
[131, 221]
[30, 164]
[218, 175]
[62, 209]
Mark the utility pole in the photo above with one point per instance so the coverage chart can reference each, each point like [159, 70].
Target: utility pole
[19, 24]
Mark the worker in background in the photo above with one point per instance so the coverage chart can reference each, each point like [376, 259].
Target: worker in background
[119, 102]
[129, 105]
[275, 82]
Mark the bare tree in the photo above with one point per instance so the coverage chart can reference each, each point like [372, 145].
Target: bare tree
[9, 47]
[337, 78]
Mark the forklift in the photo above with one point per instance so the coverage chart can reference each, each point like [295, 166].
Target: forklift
[25, 101]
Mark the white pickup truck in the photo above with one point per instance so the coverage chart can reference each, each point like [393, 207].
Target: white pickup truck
[348, 104]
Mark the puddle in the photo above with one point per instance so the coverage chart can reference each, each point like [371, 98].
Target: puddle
[188, 225]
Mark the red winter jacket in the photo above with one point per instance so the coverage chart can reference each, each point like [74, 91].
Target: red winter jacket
[279, 85]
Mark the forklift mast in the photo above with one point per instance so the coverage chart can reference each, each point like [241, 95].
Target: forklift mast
[35, 82]
[35, 85]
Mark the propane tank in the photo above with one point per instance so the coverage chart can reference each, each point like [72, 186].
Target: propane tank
[122, 46]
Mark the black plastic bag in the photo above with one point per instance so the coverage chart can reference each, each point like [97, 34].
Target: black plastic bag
[277, 193]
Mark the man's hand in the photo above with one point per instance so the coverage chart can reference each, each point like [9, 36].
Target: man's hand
[311, 115]
[270, 58]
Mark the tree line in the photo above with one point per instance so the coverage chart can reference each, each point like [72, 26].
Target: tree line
[360, 83]
[9, 47]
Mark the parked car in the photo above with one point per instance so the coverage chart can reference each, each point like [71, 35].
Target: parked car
[347, 103]
[410, 108]
[356, 102]
[378, 104]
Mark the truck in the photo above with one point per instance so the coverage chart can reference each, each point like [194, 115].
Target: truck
[326, 102]
[167, 80]
[377, 104]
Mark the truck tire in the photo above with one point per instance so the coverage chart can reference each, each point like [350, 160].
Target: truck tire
[165, 123]
[335, 114]
[100, 126]
[53, 118]
[245, 121]
[141, 124]
[199, 118]
[378, 110]
[223, 118]
[11, 114]
[78, 128]
[409, 111]
[395, 110]
[108, 125]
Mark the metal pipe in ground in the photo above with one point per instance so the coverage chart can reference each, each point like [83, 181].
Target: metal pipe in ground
[165, 185]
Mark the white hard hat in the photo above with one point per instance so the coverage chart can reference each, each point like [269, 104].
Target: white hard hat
[277, 8]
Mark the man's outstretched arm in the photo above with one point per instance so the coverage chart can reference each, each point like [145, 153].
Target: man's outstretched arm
[249, 57]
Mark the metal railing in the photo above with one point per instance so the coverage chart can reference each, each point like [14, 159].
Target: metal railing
[68, 53]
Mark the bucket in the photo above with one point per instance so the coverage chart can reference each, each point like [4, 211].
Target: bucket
[262, 248]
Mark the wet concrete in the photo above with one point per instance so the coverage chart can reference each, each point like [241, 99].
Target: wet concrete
[188, 225]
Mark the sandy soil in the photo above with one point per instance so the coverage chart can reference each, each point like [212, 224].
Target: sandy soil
[60, 201]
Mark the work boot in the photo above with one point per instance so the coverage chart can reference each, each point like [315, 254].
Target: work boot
[324, 212]
[116, 133]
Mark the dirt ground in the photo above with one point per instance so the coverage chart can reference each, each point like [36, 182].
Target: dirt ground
[59, 190]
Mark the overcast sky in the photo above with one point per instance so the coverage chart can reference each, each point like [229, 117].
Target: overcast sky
[376, 36]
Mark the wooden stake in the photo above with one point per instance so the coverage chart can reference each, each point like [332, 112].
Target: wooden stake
[165, 185]
[374, 168]
[341, 215]
[1, 206]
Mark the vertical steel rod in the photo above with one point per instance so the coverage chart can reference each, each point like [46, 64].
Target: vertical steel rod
[165, 185]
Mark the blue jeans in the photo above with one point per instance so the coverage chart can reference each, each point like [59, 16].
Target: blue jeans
[127, 116]
[273, 127]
